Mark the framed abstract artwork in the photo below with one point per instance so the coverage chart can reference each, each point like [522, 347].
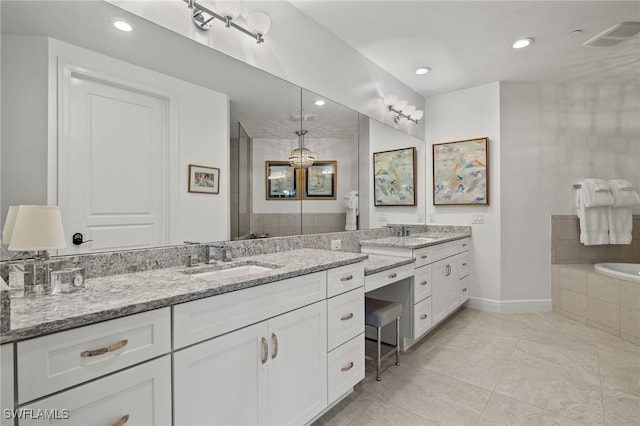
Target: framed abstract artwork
[281, 181]
[461, 173]
[394, 177]
[204, 180]
[320, 180]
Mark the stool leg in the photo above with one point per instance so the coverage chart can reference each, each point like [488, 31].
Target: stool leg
[398, 341]
[379, 336]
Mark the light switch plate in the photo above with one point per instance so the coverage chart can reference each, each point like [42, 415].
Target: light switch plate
[336, 244]
[420, 218]
[477, 218]
[431, 218]
[383, 218]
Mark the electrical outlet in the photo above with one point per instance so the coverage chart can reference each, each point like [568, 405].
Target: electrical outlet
[336, 244]
[477, 218]
[383, 218]
[431, 218]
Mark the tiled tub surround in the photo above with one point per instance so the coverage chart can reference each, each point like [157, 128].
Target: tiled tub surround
[567, 249]
[602, 302]
[120, 295]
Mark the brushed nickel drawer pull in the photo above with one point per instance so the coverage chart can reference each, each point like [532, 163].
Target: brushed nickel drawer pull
[464, 245]
[265, 350]
[423, 282]
[348, 367]
[464, 264]
[349, 278]
[347, 317]
[393, 275]
[464, 290]
[122, 421]
[424, 256]
[274, 338]
[102, 351]
[423, 316]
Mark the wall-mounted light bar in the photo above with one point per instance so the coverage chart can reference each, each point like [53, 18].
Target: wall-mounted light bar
[257, 24]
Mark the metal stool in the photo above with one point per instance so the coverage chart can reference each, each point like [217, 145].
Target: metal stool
[378, 313]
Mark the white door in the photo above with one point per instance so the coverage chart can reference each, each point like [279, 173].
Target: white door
[222, 381]
[444, 293]
[107, 127]
[298, 367]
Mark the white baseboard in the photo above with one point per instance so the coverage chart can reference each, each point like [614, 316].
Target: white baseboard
[509, 306]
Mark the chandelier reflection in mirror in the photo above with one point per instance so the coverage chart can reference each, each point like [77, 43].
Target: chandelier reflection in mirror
[256, 24]
[301, 157]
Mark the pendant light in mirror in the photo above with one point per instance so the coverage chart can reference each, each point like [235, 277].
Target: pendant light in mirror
[301, 157]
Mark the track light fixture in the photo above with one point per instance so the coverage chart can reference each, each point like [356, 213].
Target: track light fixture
[256, 24]
[402, 110]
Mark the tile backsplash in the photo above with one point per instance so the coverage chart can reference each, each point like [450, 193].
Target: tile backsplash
[567, 249]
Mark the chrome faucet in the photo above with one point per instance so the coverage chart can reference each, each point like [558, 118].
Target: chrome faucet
[218, 251]
[403, 231]
[192, 258]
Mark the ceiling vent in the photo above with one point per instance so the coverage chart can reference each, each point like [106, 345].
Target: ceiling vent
[614, 35]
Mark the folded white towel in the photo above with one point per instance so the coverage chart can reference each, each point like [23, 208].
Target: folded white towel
[620, 185]
[595, 193]
[594, 224]
[620, 225]
[623, 194]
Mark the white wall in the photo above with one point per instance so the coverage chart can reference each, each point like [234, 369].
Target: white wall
[385, 138]
[298, 50]
[200, 131]
[343, 151]
[469, 114]
[553, 136]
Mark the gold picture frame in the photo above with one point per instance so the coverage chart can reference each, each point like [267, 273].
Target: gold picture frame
[204, 179]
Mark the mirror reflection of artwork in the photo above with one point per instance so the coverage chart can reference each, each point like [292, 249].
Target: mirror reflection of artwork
[281, 181]
[460, 173]
[320, 180]
[395, 177]
[204, 179]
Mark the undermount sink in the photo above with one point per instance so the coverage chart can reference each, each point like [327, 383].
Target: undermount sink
[221, 272]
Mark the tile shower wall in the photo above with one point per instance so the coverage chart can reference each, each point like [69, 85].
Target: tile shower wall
[567, 249]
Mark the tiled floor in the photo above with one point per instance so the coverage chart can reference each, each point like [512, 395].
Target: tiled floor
[482, 368]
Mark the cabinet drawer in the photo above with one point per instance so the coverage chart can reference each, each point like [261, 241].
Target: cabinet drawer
[140, 395]
[464, 289]
[421, 317]
[423, 256]
[422, 283]
[345, 317]
[464, 263]
[465, 244]
[381, 279]
[345, 367]
[206, 318]
[442, 251]
[345, 278]
[51, 363]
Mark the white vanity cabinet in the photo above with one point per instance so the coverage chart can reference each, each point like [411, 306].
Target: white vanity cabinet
[440, 284]
[273, 372]
[6, 384]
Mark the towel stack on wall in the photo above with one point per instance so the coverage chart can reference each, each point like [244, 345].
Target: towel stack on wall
[605, 211]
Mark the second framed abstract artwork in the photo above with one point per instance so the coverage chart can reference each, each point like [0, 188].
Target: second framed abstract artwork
[461, 173]
[394, 177]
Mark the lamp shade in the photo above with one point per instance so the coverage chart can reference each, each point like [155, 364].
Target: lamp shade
[409, 109]
[229, 9]
[417, 115]
[36, 228]
[400, 106]
[259, 22]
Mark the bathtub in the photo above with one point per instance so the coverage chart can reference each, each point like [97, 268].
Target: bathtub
[623, 271]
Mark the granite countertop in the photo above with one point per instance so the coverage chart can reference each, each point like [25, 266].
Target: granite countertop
[120, 295]
[378, 263]
[417, 241]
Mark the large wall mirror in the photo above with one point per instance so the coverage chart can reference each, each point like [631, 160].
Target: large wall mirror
[213, 110]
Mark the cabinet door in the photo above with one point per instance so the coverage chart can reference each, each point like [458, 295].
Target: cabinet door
[223, 381]
[444, 290]
[138, 396]
[297, 365]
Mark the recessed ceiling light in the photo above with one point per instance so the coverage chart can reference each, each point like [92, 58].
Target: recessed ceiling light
[523, 42]
[422, 70]
[319, 102]
[123, 26]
